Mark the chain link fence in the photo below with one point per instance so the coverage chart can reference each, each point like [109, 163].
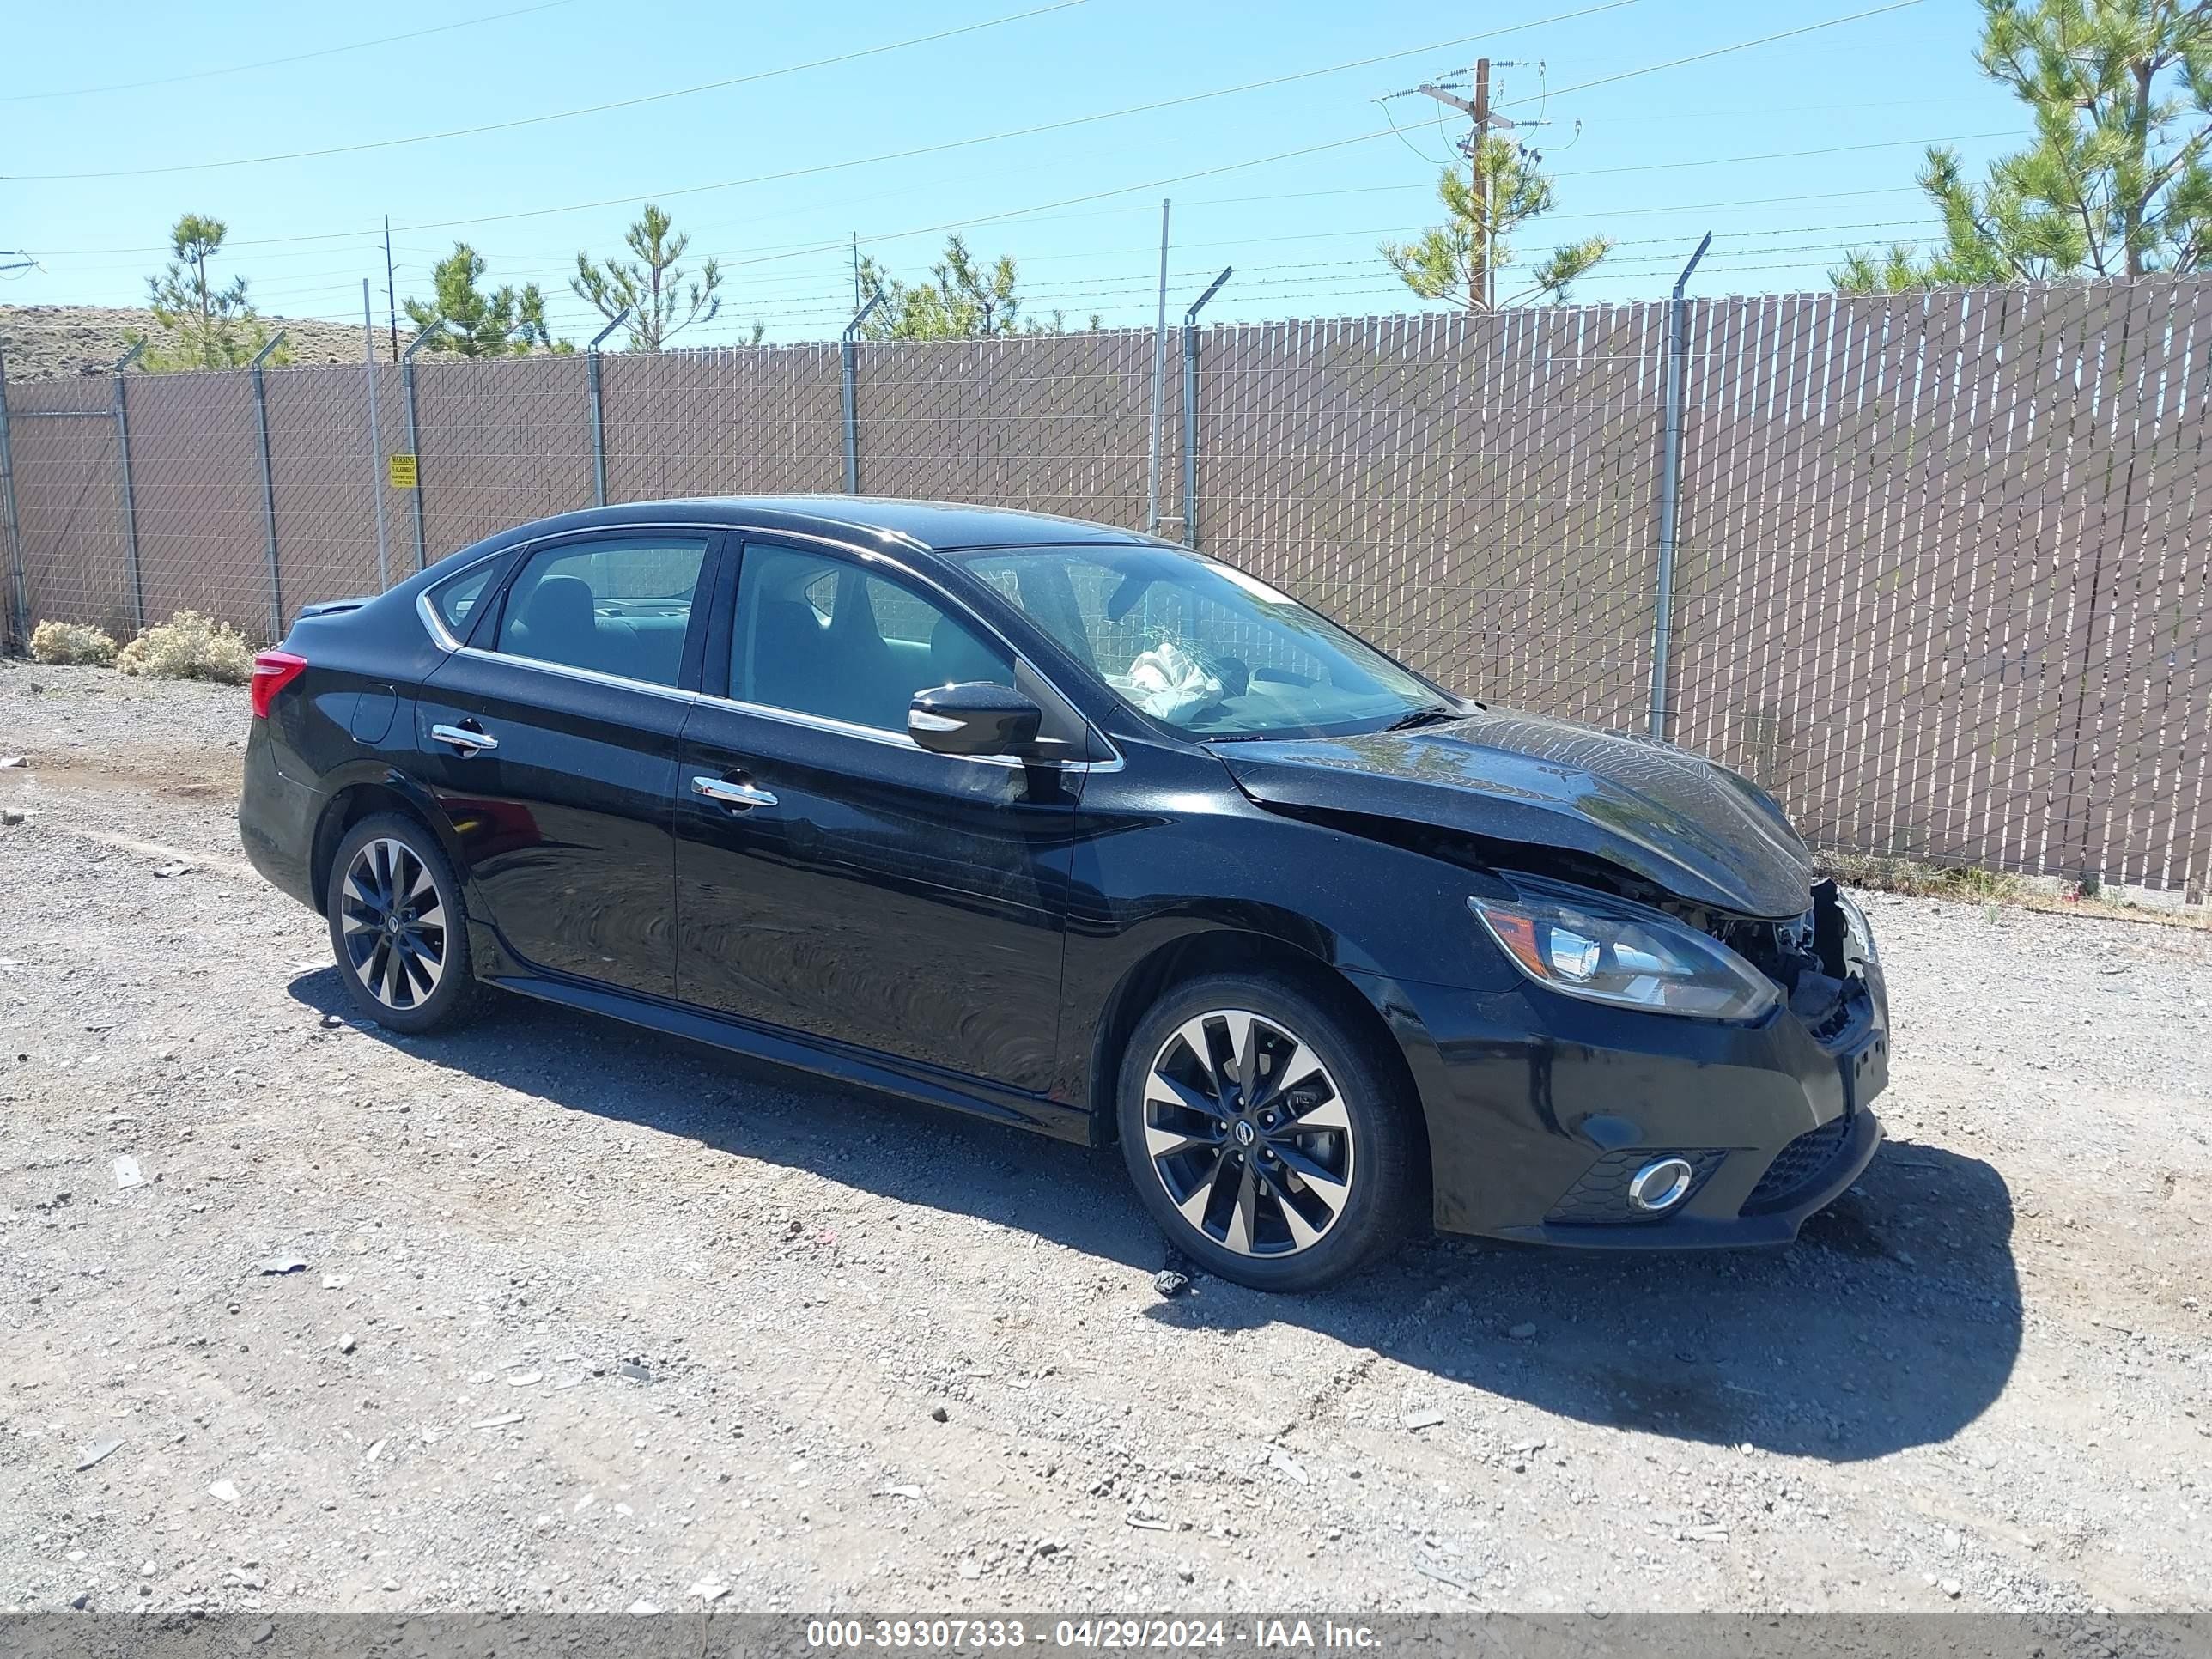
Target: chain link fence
[1942, 576]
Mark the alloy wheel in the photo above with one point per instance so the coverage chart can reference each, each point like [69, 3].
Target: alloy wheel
[1246, 1131]
[393, 924]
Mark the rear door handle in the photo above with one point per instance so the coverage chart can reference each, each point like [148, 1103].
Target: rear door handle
[742, 796]
[461, 738]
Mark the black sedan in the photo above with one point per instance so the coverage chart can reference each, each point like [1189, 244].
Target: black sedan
[1077, 830]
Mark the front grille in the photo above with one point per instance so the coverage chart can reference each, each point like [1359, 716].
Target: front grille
[1797, 1166]
[1600, 1197]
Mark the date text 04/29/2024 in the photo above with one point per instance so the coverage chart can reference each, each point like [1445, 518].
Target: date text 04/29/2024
[1292, 1635]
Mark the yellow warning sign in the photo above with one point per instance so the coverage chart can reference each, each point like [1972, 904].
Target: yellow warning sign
[402, 468]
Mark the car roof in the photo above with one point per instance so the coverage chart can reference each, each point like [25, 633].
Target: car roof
[936, 526]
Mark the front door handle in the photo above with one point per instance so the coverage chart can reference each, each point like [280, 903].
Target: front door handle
[467, 742]
[742, 796]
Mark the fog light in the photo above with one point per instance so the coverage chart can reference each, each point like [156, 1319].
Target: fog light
[1660, 1184]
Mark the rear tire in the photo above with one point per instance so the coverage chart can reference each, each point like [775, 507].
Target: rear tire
[1286, 1179]
[398, 927]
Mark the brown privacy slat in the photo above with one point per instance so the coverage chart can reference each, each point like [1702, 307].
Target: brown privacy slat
[1777, 748]
[494, 446]
[1899, 363]
[2104, 462]
[1823, 644]
[2146, 734]
[2168, 844]
[1901, 775]
[195, 473]
[1707, 494]
[69, 501]
[2188, 861]
[1837, 491]
[1942, 572]
[320, 460]
[1977, 411]
[2032, 622]
[1990, 667]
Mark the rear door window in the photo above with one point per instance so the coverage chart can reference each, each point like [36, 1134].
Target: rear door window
[617, 605]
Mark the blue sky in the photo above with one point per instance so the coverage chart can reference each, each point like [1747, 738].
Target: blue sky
[1788, 152]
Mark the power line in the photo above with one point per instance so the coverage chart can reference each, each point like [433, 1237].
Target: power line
[1720, 51]
[1033, 131]
[800, 250]
[830, 167]
[1779, 155]
[927, 149]
[1156, 184]
[497, 256]
[559, 115]
[1233, 166]
[273, 62]
[794, 250]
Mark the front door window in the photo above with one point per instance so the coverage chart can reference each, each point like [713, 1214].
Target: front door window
[820, 636]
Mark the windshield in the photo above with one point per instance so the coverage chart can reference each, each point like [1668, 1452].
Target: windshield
[1203, 647]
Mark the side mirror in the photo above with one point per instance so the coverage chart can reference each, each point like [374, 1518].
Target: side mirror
[975, 719]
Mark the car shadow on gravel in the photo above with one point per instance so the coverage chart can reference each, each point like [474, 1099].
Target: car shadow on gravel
[1895, 1321]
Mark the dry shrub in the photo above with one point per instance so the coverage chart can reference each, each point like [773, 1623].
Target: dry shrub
[72, 645]
[190, 646]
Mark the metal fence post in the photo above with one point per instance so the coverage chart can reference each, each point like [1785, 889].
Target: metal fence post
[376, 464]
[1159, 388]
[268, 488]
[1670, 491]
[414, 447]
[600, 409]
[849, 352]
[130, 501]
[11, 521]
[1190, 407]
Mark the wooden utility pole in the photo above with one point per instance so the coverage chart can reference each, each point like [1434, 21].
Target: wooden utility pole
[1481, 279]
[391, 290]
[1481, 289]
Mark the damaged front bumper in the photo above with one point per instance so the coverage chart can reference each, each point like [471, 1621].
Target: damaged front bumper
[1542, 1108]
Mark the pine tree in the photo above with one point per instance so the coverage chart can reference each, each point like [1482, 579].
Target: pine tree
[1461, 258]
[651, 285]
[963, 300]
[202, 326]
[2115, 183]
[466, 320]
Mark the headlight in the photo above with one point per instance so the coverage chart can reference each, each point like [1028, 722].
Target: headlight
[1634, 959]
[1856, 925]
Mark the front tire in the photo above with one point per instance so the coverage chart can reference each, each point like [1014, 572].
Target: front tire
[397, 926]
[1266, 1133]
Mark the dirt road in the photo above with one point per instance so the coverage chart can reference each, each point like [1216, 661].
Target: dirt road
[588, 1319]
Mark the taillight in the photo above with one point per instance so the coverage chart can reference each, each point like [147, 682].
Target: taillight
[273, 672]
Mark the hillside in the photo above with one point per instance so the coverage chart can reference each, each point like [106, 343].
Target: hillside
[46, 343]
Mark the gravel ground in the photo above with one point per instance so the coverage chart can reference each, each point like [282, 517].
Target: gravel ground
[588, 1319]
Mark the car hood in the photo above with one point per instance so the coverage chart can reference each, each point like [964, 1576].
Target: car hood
[1697, 829]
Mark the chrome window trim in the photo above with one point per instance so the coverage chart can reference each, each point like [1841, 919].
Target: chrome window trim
[898, 739]
[443, 636]
[440, 636]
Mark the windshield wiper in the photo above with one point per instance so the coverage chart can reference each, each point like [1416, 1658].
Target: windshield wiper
[1427, 716]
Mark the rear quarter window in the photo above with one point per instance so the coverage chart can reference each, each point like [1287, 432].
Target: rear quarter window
[455, 598]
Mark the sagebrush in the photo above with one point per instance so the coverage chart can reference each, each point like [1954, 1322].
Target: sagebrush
[190, 646]
[72, 645]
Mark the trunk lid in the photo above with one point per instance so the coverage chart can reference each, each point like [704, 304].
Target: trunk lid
[1697, 829]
